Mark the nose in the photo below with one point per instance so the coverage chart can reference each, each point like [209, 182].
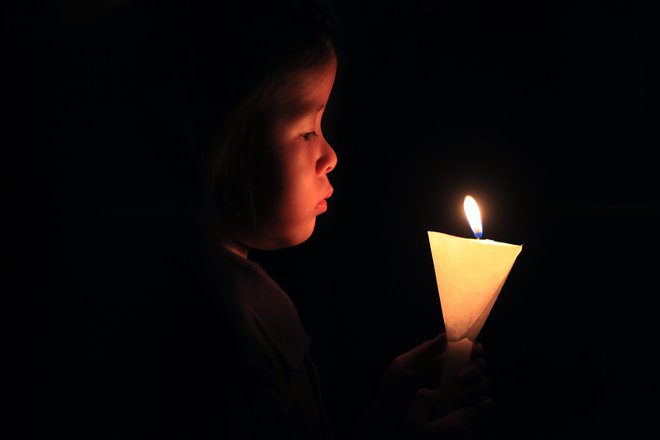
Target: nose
[328, 160]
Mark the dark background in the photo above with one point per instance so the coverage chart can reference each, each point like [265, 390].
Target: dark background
[546, 112]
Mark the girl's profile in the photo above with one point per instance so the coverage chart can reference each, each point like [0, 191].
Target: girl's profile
[212, 346]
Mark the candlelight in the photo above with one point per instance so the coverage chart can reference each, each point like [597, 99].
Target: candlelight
[470, 274]
[473, 215]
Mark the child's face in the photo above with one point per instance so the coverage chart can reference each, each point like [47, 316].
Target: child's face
[292, 166]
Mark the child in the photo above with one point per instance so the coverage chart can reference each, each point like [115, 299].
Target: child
[232, 358]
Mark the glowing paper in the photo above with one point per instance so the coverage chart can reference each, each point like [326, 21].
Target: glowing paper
[470, 274]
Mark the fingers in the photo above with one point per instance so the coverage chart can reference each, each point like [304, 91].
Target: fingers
[422, 355]
[410, 371]
[472, 381]
[473, 391]
[472, 371]
[459, 424]
[421, 408]
[455, 425]
[434, 373]
[477, 351]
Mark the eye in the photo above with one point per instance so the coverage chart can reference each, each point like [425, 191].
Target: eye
[307, 135]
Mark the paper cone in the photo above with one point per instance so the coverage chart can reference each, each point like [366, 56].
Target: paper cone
[470, 274]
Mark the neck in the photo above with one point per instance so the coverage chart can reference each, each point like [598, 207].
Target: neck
[211, 219]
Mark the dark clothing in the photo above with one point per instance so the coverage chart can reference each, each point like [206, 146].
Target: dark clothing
[238, 366]
[284, 400]
[245, 367]
[183, 343]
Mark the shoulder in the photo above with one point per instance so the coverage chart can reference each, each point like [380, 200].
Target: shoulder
[245, 287]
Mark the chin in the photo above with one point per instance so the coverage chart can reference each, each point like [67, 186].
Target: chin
[286, 239]
[300, 236]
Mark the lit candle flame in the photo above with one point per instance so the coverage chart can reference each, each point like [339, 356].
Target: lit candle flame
[473, 215]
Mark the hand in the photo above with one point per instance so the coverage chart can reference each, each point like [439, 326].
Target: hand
[418, 368]
[471, 405]
[409, 388]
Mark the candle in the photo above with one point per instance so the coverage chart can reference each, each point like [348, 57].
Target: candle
[470, 274]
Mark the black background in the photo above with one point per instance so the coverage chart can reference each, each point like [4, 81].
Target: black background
[546, 112]
[543, 112]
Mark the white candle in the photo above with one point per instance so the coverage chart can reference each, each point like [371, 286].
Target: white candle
[470, 274]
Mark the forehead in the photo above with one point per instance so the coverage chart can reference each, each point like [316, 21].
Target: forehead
[306, 89]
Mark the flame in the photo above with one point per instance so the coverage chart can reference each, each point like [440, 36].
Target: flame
[473, 215]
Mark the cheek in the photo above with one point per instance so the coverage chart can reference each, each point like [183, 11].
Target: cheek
[286, 219]
[285, 181]
[288, 194]
[266, 174]
[291, 210]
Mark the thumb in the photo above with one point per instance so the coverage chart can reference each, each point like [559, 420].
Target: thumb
[425, 353]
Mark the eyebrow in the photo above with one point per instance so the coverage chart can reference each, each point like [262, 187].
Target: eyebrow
[309, 108]
[305, 109]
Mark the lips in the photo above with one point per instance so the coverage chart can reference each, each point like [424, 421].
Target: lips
[322, 206]
[329, 193]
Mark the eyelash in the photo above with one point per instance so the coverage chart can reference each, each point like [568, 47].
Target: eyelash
[306, 136]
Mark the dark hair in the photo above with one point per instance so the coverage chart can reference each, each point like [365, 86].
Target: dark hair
[239, 59]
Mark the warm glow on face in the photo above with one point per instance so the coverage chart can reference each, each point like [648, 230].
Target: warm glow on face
[473, 215]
